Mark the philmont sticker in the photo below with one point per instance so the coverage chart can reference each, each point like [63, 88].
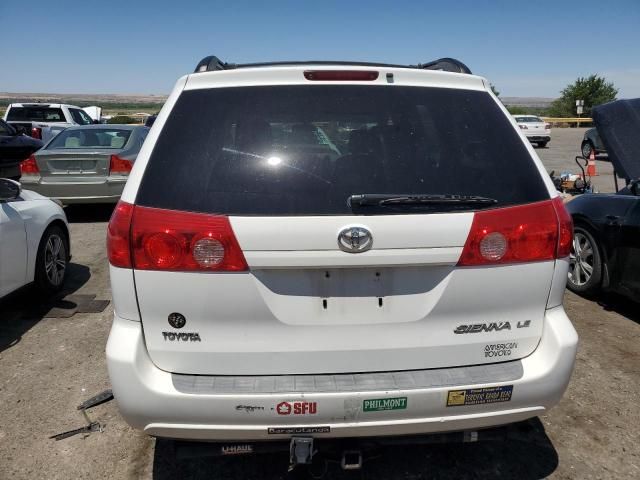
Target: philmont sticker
[479, 396]
[379, 404]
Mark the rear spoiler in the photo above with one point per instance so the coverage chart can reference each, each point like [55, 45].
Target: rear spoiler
[213, 63]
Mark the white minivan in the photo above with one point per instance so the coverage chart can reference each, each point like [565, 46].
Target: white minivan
[313, 250]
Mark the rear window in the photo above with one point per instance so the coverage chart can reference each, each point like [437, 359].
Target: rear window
[35, 114]
[303, 150]
[91, 138]
[528, 120]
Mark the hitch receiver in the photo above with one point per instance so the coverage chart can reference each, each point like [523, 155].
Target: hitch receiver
[300, 451]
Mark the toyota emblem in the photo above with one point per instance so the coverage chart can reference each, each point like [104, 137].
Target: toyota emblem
[355, 239]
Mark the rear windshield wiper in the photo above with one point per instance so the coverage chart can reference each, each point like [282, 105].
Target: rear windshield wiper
[381, 200]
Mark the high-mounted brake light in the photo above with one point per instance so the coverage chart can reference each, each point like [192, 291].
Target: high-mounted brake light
[119, 165]
[29, 166]
[341, 75]
[525, 233]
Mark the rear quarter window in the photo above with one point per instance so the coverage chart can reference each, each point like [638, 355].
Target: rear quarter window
[303, 150]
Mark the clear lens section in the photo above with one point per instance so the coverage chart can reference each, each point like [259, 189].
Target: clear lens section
[493, 246]
[208, 252]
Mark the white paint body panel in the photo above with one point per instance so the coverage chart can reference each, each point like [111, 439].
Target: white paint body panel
[148, 400]
[306, 307]
[22, 223]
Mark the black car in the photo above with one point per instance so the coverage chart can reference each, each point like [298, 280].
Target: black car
[606, 245]
[14, 148]
[591, 142]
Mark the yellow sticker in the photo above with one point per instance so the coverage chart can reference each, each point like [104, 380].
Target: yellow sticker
[456, 397]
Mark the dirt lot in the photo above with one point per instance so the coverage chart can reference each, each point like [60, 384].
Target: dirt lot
[49, 365]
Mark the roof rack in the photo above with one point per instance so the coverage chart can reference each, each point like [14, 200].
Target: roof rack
[213, 63]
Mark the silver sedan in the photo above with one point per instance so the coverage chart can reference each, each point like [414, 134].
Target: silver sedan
[85, 164]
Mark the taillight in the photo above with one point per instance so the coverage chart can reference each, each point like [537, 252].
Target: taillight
[525, 233]
[119, 165]
[118, 240]
[29, 166]
[523, 127]
[341, 75]
[565, 224]
[184, 241]
[36, 133]
[547, 126]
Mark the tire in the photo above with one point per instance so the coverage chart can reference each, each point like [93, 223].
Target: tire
[52, 261]
[542, 144]
[585, 256]
[586, 149]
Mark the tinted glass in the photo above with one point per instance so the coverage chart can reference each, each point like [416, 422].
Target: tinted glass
[303, 150]
[528, 120]
[90, 138]
[80, 116]
[35, 114]
[5, 129]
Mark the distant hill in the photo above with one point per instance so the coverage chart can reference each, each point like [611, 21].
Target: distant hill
[112, 103]
[529, 102]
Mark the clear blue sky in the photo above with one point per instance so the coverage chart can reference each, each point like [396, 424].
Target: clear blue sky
[526, 47]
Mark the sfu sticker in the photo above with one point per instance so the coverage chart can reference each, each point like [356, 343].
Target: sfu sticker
[297, 408]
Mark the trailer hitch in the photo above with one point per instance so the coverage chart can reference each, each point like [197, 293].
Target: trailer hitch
[301, 451]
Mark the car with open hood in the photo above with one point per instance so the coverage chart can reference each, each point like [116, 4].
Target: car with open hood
[606, 246]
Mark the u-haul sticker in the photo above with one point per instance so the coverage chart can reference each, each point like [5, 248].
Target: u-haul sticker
[479, 396]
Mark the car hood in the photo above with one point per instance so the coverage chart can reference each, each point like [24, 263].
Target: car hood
[618, 124]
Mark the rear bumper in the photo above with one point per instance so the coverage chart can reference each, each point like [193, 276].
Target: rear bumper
[151, 399]
[100, 191]
[539, 138]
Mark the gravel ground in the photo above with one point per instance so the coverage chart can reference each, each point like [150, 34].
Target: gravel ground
[50, 365]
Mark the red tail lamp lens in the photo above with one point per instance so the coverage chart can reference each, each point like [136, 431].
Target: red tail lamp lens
[118, 246]
[184, 241]
[524, 233]
[565, 238]
[29, 166]
[119, 165]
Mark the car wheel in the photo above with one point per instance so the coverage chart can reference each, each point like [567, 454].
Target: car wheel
[587, 148]
[52, 260]
[542, 144]
[585, 263]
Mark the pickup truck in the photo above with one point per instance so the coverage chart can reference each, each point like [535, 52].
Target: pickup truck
[44, 120]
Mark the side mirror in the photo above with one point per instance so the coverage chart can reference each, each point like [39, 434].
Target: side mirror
[634, 187]
[9, 189]
[20, 130]
[96, 122]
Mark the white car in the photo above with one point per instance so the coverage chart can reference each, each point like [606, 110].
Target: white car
[34, 240]
[535, 129]
[411, 284]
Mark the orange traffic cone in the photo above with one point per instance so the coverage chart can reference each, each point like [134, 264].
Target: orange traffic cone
[591, 165]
